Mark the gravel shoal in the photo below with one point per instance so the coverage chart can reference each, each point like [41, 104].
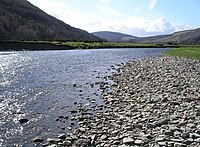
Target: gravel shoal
[151, 102]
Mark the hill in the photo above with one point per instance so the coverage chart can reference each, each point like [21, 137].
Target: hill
[20, 20]
[114, 36]
[182, 37]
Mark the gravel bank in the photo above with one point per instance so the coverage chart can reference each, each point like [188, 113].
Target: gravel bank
[152, 102]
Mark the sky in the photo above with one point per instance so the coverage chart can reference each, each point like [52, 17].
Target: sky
[134, 17]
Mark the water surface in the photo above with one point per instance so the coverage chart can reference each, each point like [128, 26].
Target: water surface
[44, 85]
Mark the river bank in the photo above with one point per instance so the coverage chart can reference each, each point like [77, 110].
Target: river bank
[152, 102]
[62, 45]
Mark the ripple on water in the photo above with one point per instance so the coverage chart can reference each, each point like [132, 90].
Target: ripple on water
[38, 86]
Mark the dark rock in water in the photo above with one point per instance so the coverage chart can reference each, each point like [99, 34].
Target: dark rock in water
[37, 139]
[23, 120]
[73, 111]
[74, 85]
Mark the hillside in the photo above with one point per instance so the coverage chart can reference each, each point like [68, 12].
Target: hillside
[182, 37]
[114, 36]
[20, 20]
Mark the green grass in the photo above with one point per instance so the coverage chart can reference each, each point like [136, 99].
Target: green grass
[192, 52]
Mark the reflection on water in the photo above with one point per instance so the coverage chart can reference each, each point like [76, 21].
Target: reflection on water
[38, 86]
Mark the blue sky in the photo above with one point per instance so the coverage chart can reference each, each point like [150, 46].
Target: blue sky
[135, 17]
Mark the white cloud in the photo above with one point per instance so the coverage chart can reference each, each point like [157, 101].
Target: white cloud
[152, 4]
[105, 8]
[137, 26]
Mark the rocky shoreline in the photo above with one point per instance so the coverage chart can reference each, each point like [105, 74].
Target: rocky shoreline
[151, 102]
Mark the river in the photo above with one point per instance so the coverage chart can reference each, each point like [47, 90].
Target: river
[44, 86]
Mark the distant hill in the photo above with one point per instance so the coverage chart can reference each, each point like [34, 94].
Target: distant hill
[114, 36]
[182, 37]
[20, 20]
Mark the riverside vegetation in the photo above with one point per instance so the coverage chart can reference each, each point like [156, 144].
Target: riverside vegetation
[95, 45]
[151, 102]
[187, 51]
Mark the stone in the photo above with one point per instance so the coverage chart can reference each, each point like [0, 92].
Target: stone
[82, 129]
[52, 145]
[45, 144]
[175, 103]
[62, 136]
[128, 140]
[52, 140]
[122, 145]
[197, 113]
[116, 142]
[37, 139]
[188, 142]
[169, 133]
[162, 143]
[150, 125]
[23, 120]
[160, 138]
[115, 132]
[163, 122]
[103, 137]
[67, 142]
[138, 142]
[165, 99]
[185, 135]
[73, 111]
[179, 145]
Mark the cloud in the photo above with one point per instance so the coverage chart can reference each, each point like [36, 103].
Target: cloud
[105, 8]
[137, 26]
[152, 4]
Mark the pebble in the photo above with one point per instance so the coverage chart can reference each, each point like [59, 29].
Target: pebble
[62, 136]
[128, 140]
[138, 142]
[23, 120]
[37, 139]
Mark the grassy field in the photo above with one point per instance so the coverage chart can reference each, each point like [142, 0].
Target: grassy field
[192, 52]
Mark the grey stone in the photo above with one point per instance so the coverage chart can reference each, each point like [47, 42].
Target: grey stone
[67, 142]
[169, 133]
[37, 139]
[138, 142]
[185, 135]
[162, 143]
[175, 103]
[150, 125]
[179, 145]
[103, 137]
[163, 122]
[52, 145]
[128, 140]
[62, 136]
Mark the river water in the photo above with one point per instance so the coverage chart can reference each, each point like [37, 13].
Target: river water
[44, 86]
